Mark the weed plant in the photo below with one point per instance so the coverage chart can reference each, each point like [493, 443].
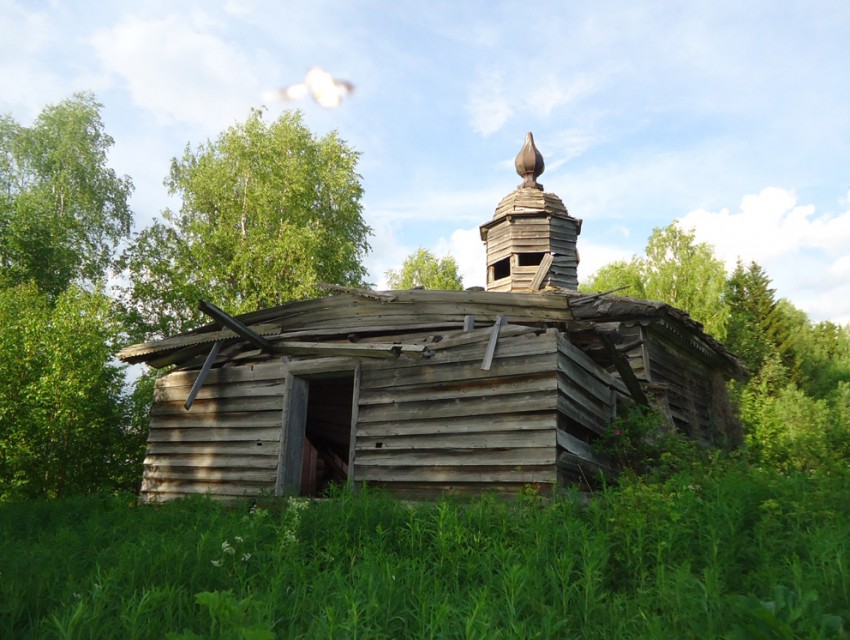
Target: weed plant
[724, 551]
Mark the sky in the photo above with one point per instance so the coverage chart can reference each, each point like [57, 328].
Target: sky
[731, 117]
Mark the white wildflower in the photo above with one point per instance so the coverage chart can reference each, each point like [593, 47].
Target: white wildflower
[215, 563]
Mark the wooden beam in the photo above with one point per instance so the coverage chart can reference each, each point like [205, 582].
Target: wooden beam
[355, 415]
[234, 325]
[199, 381]
[491, 345]
[542, 270]
[623, 368]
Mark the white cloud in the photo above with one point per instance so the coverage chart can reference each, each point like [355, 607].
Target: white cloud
[544, 98]
[465, 246]
[595, 256]
[177, 68]
[487, 107]
[803, 253]
[769, 226]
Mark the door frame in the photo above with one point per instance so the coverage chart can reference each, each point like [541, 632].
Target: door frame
[296, 395]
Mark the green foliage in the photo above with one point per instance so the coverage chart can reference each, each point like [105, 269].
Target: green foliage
[63, 210]
[701, 554]
[676, 270]
[269, 211]
[639, 440]
[61, 404]
[755, 331]
[622, 277]
[424, 269]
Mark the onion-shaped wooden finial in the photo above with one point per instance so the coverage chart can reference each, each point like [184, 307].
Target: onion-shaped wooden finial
[529, 163]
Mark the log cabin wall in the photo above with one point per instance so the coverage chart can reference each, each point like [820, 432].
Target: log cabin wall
[444, 424]
[227, 445]
[683, 383]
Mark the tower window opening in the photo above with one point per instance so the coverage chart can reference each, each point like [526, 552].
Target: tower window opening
[501, 269]
[530, 259]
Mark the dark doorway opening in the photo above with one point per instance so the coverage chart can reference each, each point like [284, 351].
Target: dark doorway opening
[327, 433]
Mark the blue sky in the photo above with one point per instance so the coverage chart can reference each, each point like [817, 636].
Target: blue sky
[729, 116]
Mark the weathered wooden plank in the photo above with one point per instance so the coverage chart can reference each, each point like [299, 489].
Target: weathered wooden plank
[519, 437]
[291, 449]
[355, 419]
[482, 388]
[234, 489]
[213, 474]
[590, 385]
[431, 490]
[225, 375]
[578, 395]
[224, 405]
[461, 456]
[347, 349]
[524, 474]
[209, 391]
[261, 448]
[191, 420]
[458, 372]
[474, 336]
[542, 270]
[216, 434]
[509, 403]
[208, 460]
[570, 443]
[492, 341]
[488, 423]
[580, 415]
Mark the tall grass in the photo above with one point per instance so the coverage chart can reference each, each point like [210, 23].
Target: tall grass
[714, 553]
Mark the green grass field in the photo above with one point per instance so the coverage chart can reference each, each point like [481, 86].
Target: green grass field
[715, 553]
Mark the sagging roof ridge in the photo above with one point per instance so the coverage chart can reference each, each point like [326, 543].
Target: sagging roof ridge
[552, 305]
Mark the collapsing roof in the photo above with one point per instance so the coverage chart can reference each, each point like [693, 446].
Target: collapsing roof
[422, 391]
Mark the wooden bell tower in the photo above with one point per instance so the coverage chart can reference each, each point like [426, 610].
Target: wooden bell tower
[531, 240]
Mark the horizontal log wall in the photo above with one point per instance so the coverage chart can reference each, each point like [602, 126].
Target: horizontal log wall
[688, 392]
[587, 394]
[226, 445]
[445, 424]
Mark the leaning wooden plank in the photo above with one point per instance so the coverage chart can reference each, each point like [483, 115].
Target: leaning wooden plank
[588, 468]
[213, 354]
[491, 344]
[584, 418]
[355, 419]
[542, 270]
[625, 371]
[573, 445]
[225, 319]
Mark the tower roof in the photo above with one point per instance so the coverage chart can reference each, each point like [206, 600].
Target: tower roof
[528, 199]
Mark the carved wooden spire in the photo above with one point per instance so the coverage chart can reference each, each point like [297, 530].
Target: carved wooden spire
[529, 163]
